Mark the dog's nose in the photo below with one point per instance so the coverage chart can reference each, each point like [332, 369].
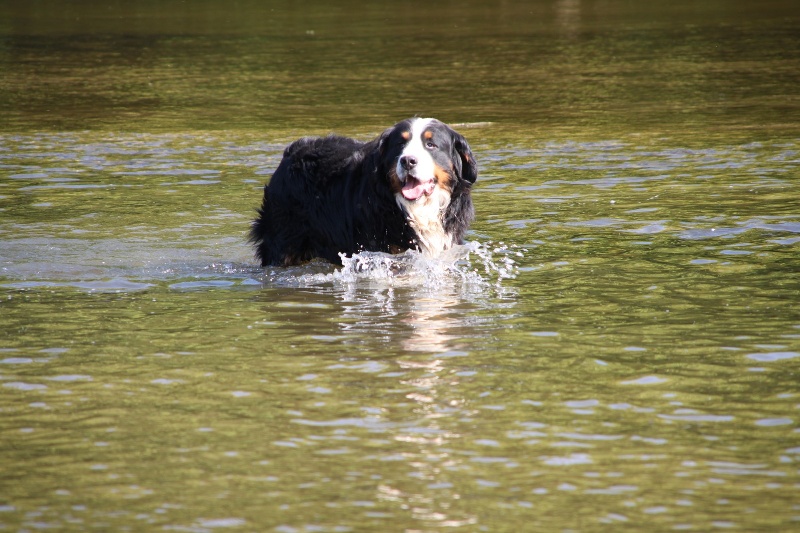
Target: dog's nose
[407, 162]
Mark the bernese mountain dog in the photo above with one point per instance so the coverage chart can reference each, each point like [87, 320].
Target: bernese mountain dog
[407, 189]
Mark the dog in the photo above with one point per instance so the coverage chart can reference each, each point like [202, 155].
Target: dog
[407, 189]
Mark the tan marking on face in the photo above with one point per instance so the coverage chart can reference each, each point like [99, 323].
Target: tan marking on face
[394, 182]
[428, 135]
[443, 178]
[406, 135]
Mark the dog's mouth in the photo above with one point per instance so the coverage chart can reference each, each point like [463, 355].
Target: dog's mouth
[414, 189]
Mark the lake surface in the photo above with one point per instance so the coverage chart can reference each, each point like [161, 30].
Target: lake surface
[616, 348]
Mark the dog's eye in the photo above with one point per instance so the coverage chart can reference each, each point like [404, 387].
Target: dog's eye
[430, 145]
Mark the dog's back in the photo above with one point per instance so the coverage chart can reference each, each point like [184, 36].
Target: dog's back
[321, 202]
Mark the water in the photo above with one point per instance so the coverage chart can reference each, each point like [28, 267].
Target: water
[616, 347]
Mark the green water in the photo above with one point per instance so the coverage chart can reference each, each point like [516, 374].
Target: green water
[620, 350]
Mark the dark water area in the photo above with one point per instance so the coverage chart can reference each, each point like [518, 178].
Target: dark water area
[587, 67]
[615, 348]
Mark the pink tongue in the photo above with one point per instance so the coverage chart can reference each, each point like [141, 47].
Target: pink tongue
[413, 189]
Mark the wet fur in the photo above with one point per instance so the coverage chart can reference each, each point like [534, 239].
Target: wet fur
[332, 195]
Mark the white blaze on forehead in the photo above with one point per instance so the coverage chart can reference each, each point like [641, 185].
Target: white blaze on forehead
[416, 147]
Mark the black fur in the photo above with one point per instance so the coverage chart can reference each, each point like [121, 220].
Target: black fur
[333, 195]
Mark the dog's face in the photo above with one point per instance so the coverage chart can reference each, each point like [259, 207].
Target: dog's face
[426, 161]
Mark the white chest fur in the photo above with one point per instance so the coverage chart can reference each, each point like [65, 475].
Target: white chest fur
[426, 216]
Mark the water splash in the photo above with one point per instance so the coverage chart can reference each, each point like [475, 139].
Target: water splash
[114, 265]
[473, 264]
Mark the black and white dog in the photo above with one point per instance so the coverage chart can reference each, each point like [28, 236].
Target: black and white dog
[407, 189]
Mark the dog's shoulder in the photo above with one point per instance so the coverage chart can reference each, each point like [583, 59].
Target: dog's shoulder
[321, 159]
[322, 149]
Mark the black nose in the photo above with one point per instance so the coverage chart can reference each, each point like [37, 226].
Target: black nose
[407, 162]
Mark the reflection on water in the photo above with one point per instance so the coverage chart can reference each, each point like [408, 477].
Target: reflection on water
[629, 352]
[616, 346]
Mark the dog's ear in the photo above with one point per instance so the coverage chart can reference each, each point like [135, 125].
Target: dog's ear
[383, 138]
[374, 151]
[469, 167]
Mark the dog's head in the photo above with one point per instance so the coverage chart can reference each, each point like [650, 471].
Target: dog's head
[426, 160]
